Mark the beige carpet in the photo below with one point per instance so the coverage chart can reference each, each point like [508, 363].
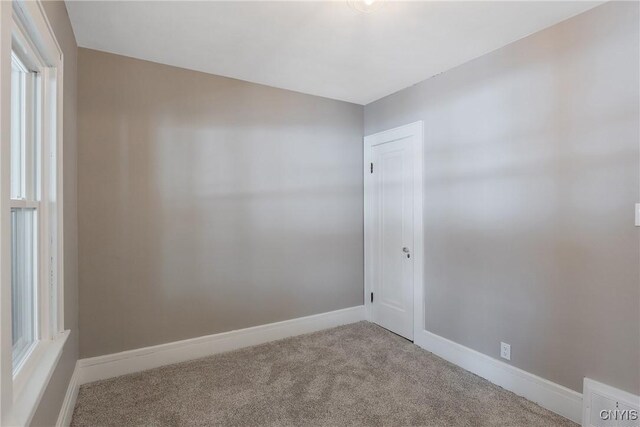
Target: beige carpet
[358, 374]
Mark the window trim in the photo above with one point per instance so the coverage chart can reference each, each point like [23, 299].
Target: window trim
[25, 28]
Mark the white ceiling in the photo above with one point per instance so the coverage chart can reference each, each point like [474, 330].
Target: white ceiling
[319, 48]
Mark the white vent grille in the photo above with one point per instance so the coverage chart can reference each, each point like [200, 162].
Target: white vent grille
[605, 406]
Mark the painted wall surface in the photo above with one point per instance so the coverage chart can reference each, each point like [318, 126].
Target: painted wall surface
[49, 408]
[531, 174]
[208, 204]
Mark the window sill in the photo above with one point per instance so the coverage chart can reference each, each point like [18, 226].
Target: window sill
[26, 402]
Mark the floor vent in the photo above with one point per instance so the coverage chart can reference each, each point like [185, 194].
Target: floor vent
[605, 406]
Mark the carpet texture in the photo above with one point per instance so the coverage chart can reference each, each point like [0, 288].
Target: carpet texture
[358, 374]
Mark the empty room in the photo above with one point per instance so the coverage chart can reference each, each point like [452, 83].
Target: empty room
[319, 213]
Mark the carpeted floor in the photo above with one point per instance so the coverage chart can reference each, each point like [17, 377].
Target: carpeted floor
[358, 374]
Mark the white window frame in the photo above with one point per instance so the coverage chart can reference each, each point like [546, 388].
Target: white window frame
[24, 27]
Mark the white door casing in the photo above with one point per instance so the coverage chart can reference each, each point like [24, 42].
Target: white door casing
[393, 229]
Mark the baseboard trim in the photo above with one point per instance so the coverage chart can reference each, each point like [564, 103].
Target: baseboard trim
[547, 394]
[556, 398]
[69, 402]
[127, 362]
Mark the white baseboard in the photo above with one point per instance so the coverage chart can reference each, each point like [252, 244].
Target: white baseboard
[69, 402]
[127, 362]
[547, 394]
[554, 397]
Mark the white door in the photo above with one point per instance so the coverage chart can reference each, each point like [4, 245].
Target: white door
[389, 212]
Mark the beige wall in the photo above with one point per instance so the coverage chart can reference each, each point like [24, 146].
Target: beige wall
[531, 162]
[49, 407]
[208, 204]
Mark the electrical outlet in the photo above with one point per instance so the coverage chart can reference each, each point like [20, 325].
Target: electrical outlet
[637, 214]
[505, 351]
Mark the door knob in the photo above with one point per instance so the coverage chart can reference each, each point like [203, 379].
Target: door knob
[406, 251]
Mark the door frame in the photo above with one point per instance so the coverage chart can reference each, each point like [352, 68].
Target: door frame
[416, 132]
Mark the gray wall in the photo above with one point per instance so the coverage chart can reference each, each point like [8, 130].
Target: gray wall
[531, 175]
[47, 412]
[208, 204]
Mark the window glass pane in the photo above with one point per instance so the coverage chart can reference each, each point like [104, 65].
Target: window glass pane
[23, 282]
[24, 131]
[18, 77]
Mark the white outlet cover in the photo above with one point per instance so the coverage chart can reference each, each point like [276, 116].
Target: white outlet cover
[637, 214]
[505, 351]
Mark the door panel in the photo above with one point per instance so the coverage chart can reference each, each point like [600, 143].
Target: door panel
[392, 214]
[391, 227]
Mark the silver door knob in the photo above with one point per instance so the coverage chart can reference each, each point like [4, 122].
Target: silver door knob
[405, 250]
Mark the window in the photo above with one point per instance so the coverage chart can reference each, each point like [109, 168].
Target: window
[31, 264]
[25, 205]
